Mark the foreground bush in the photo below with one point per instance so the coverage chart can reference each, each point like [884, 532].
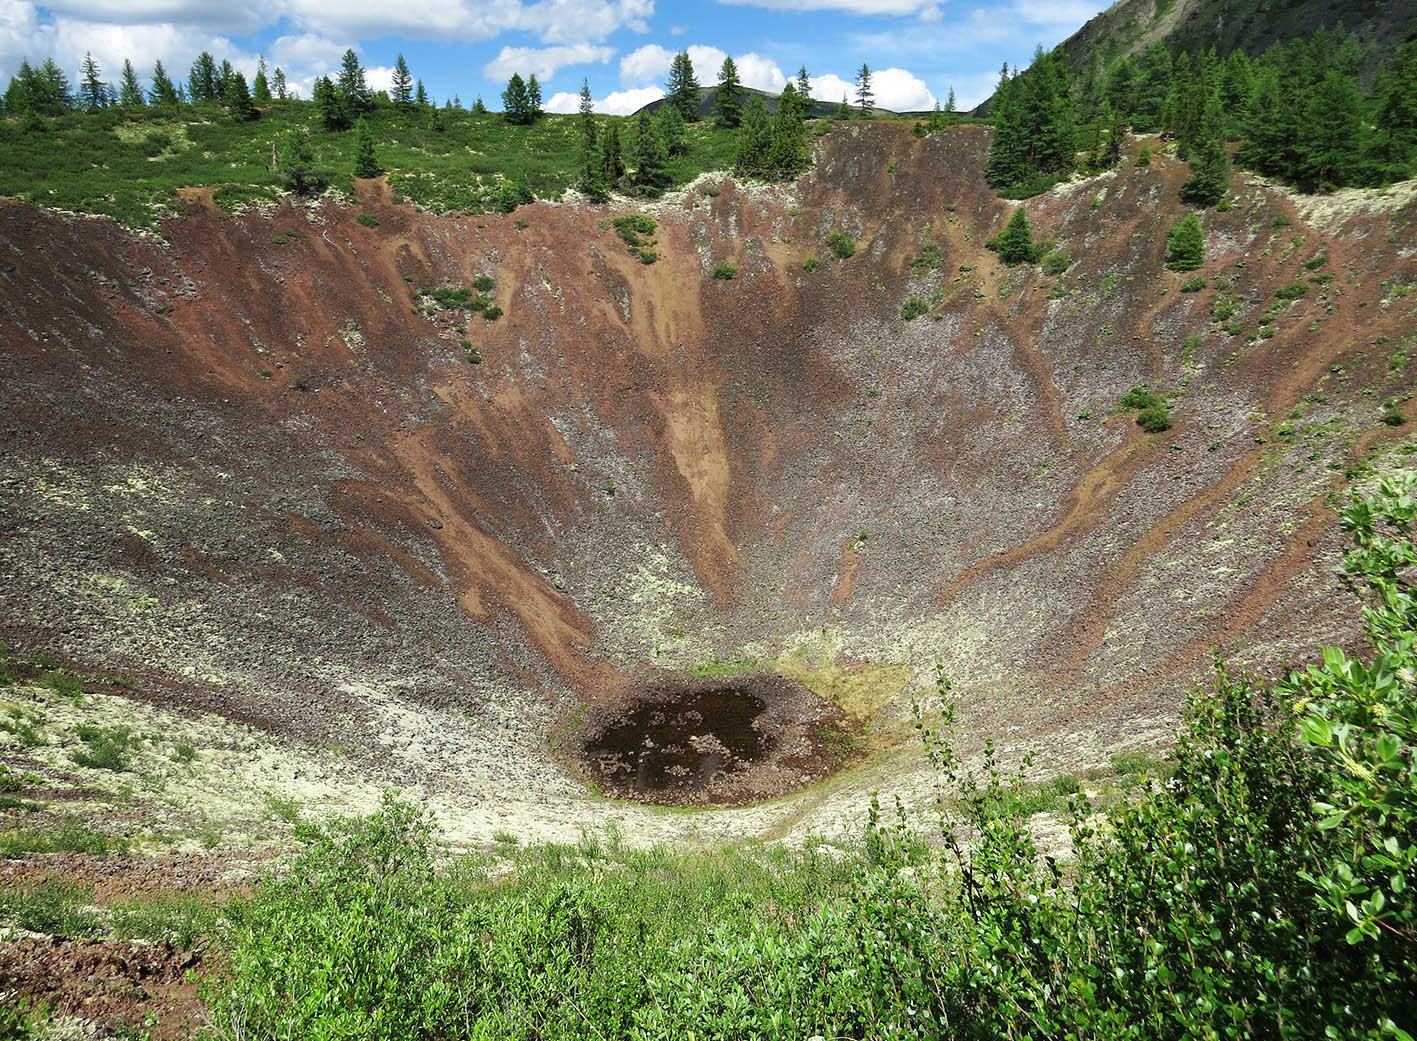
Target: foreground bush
[1263, 891]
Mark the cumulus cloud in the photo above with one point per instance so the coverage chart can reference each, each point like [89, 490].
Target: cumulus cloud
[861, 7]
[220, 16]
[543, 61]
[896, 89]
[651, 62]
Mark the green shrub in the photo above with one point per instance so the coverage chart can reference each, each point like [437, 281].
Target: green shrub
[1015, 243]
[1056, 262]
[841, 244]
[913, 307]
[57, 906]
[725, 271]
[1393, 415]
[1185, 245]
[491, 312]
[810, 264]
[484, 283]
[368, 220]
[1154, 418]
[67, 835]
[1195, 285]
[1140, 397]
[105, 748]
[1293, 291]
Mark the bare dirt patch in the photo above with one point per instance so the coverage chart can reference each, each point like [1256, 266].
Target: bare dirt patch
[686, 741]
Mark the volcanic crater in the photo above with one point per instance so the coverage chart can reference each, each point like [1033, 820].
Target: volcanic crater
[258, 473]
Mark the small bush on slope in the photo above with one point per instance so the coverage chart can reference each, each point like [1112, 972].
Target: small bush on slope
[1263, 891]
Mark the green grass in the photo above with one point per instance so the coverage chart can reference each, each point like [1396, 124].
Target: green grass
[53, 905]
[67, 835]
[128, 164]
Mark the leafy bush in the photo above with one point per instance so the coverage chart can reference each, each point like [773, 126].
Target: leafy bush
[368, 220]
[1056, 262]
[1293, 291]
[1195, 285]
[58, 906]
[67, 835]
[810, 264]
[484, 283]
[841, 244]
[724, 270]
[913, 307]
[1140, 397]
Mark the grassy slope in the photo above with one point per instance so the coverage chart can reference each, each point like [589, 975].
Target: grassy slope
[128, 163]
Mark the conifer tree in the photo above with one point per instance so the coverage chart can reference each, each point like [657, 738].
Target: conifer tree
[261, 86]
[278, 84]
[298, 163]
[223, 79]
[591, 180]
[754, 140]
[671, 130]
[516, 102]
[420, 95]
[1237, 83]
[1329, 135]
[728, 99]
[1111, 139]
[1151, 88]
[353, 91]
[865, 100]
[163, 91]
[587, 114]
[366, 164]
[1395, 118]
[1119, 89]
[681, 89]
[329, 103]
[401, 91]
[1185, 245]
[612, 162]
[478, 107]
[787, 150]
[843, 111]
[53, 93]
[533, 97]
[1209, 159]
[130, 93]
[804, 88]
[94, 94]
[950, 101]
[651, 161]
[201, 80]
[238, 99]
[1015, 243]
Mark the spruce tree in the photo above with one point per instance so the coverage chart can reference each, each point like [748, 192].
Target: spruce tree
[681, 89]
[238, 99]
[533, 97]
[223, 79]
[1209, 160]
[52, 94]
[950, 101]
[329, 104]
[1329, 135]
[1015, 243]
[401, 92]
[865, 100]
[787, 149]
[353, 91]
[366, 164]
[843, 111]
[1395, 117]
[591, 181]
[671, 130]
[1119, 89]
[1237, 83]
[1007, 162]
[754, 140]
[650, 159]
[478, 108]
[261, 86]
[1185, 245]
[201, 80]
[612, 162]
[728, 99]
[516, 102]
[95, 95]
[130, 93]
[420, 95]
[278, 83]
[1111, 140]
[163, 91]
[804, 88]
[298, 162]
[1151, 88]
[587, 114]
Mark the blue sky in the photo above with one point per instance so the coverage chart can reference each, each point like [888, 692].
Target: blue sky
[917, 49]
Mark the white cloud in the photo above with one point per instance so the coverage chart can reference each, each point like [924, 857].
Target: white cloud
[832, 87]
[651, 62]
[678, 30]
[624, 102]
[862, 7]
[646, 64]
[900, 91]
[573, 21]
[563, 102]
[213, 15]
[543, 61]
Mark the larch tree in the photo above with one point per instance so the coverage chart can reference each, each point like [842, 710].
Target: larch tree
[261, 85]
[95, 94]
[728, 99]
[163, 91]
[238, 99]
[681, 89]
[1209, 159]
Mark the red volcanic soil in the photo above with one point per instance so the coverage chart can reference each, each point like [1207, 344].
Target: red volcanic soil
[247, 464]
